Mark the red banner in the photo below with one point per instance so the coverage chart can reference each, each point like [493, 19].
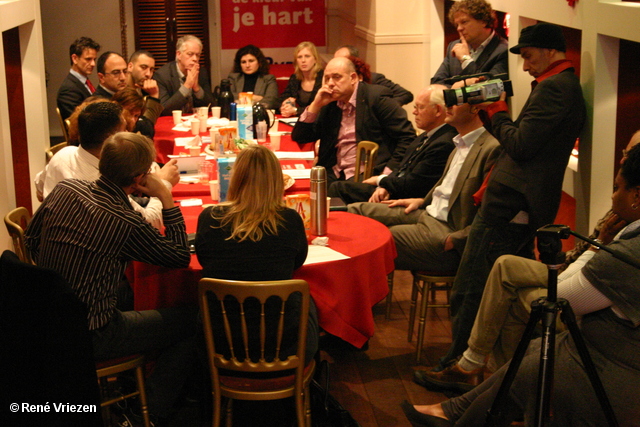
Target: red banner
[272, 23]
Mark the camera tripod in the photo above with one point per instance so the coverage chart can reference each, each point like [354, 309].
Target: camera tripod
[546, 310]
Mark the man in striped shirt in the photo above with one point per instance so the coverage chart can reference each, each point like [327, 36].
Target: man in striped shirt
[88, 232]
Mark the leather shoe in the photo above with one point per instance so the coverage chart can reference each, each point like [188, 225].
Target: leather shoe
[418, 419]
[452, 378]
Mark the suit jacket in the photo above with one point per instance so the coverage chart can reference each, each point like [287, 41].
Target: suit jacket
[400, 94]
[493, 59]
[462, 209]
[266, 86]
[425, 168]
[71, 94]
[293, 88]
[100, 91]
[378, 118]
[169, 83]
[529, 173]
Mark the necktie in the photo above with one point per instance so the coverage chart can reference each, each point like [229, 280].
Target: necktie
[90, 86]
[187, 108]
[403, 169]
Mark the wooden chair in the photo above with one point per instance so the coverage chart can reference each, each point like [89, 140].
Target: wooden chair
[387, 314]
[233, 374]
[63, 125]
[425, 283]
[17, 221]
[366, 154]
[111, 368]
[54, 149]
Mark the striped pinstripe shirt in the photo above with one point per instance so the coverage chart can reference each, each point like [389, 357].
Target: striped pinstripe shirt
[88, 232]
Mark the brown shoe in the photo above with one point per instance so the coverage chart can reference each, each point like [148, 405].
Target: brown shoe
[452, 378]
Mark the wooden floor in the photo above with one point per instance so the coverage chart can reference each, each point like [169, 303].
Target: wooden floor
[371, 384]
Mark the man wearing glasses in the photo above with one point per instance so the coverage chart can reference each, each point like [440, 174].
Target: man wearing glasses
[184, 84]
[112, 73]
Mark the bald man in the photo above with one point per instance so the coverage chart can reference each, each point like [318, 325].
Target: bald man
[346, 111]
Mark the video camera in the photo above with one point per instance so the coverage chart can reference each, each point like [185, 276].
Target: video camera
[488, 90]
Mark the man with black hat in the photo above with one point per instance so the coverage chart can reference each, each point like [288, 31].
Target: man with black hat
[524, 188]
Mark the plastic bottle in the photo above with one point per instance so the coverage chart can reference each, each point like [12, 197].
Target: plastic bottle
[318, 195]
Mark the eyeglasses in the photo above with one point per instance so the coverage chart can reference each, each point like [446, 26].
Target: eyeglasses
[116, 73]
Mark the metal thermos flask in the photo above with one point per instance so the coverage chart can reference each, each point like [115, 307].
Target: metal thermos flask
[318, 201]
[225, 98]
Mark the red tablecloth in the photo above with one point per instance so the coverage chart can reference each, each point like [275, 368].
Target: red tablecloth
[164, 142]
[344, 290]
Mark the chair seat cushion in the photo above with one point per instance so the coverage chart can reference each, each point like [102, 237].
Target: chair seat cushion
[262, 384]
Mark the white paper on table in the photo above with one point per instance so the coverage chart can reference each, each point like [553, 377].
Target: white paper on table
[298, 173]
[186, 141]
[191, 202]
[323, 254]
[289, 120]
[295, 155]
[182, 127]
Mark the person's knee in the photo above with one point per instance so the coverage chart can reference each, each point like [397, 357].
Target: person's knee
[355, 208]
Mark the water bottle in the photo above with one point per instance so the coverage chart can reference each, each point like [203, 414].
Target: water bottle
[318, 201]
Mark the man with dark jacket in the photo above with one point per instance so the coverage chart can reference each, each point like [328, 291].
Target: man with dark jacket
[523, 191]
[423, 162]
[76, 87]
[346, 111]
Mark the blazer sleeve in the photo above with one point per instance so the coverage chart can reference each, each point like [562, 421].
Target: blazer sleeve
[400, 94]
[424, 174]
[233, 80]
[170, 96]
[270, 96]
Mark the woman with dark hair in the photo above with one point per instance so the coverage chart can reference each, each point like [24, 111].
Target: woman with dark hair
[254, 236]
[606, 293]
[251, 74]
[305, 82]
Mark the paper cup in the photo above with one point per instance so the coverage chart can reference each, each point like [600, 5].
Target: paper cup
[195, 126]
[194, 150]
[328, 206]
[215, 112]
[274, 140]
[177, 117]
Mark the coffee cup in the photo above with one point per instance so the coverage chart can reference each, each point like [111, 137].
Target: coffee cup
[214, 188]
[177, 117]
[195, 126]
[215, 112]
[274, 139]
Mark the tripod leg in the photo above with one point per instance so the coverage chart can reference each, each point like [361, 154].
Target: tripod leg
[569, 318]
[496, 413]
[547, 360]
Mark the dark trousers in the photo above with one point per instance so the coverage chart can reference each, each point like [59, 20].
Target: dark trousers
[486, 242]
[170, 332]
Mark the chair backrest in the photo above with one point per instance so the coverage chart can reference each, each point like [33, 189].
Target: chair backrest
[366, 154]
[54, 149]
[253, 325]
[63, 125]
[16, 222]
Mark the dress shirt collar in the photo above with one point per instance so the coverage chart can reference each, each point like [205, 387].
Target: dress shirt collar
[469, 139]
[78, 76]
[434, 130]
[180, 73]
[109, 91]
[352, 100]
[476, 52]
[88, 158]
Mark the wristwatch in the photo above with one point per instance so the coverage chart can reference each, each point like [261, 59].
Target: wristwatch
[465, 58]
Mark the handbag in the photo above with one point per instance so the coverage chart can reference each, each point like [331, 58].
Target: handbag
[326, 411]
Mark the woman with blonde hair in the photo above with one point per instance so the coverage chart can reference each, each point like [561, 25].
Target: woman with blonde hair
[253, 235]
[305, 82]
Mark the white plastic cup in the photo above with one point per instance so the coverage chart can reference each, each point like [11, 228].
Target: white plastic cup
[328, 206]
[203, 112]
[215, 112]
[177, 117]
[214, 187]
[274, 139]
[195, 126]
[194, 150]
[203, 124]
